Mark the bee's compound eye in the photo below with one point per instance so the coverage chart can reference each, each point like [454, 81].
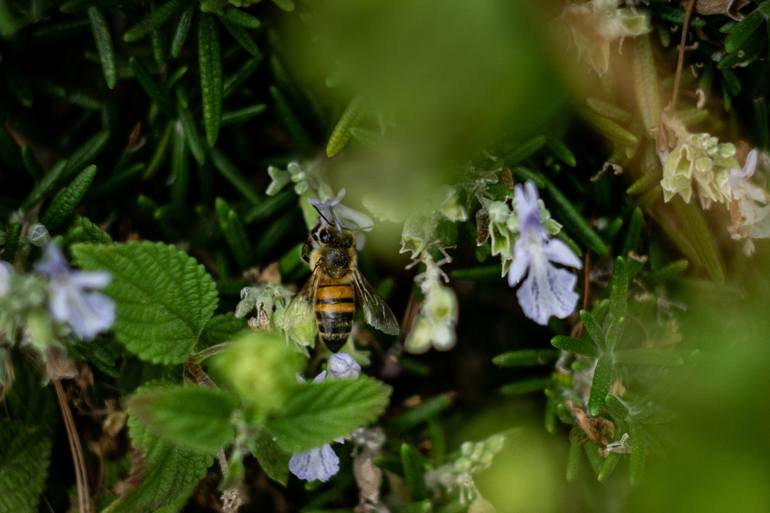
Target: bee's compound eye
[324, 236]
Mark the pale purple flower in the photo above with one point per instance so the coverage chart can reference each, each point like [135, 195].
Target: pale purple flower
[6, 270]
[316, 464]
[72, 299]
[547, 290]
[322, 463]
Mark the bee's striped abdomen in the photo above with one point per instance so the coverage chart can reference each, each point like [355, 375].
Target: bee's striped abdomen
[334, 310]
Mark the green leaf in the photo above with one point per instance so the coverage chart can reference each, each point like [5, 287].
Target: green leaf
[421, 413]
[414, 464]
[524, 150]
[651, 356]
[152, 21]
[668, 271]
[24, 456]
[526, 386]
[631, 241]
[210, 63]
[234, 232]
[150, 86]
[574, 345]
[164, 297]
[646, 83]
[168, 474]
[490, 273]
[64, 203]
[242, 115]
[526, 357]
[619, 290]
[182, 30]
[610, 462]
[574, 221]
[341, 133]
[573, 458]
[319, 412]
[83, 229]
[197, 418]
[241, 18]
[192, 136]
[290, 119]
[242, 36]
[592, 327]
[273, 460]
[286, 5]
[600, 386]
[231, 173]
[638, 453]
[237, 79]
[741, 32]
[179, 166]
[103, 45]
[222, 328]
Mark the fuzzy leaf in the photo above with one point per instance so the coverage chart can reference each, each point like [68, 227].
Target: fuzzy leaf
[592, 327]
[168, 474]
[319, 412]
[65, 202]
[194, 417]
[574, 345]
[600, 386]
[24, 456]
[273, 460]
[164, 297]
[210, 63]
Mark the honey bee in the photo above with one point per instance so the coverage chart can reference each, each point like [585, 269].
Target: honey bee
[335, 287]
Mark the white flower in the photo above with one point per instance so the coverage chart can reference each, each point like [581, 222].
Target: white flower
[71, 299]
[6, 270]
[322, 463]
[547, 289]
[749, 210]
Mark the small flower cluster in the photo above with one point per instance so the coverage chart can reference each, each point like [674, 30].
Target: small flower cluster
[595, 25]
[436, 321]
[264, 306]
[457, 475]
[699, 164]
[55, 303]
[522, 237]
[322, 463]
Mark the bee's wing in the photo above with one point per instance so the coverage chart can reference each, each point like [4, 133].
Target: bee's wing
[298, 318]
[376, 311]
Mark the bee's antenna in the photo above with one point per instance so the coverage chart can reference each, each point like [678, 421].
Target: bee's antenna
[321, 214]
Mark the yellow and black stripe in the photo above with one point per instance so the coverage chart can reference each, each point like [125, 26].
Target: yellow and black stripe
[335, 306]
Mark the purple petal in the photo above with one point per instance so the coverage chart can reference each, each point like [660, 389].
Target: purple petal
[528, 209]
[751, 163]
[342, 365]
[559, 253]
[91, 280]
[316, 464]
[520, 262]
[87, 313]
[53, 262]
[547, 291]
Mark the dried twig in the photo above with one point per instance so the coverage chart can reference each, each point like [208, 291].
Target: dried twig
[81, 478]
[680, 59]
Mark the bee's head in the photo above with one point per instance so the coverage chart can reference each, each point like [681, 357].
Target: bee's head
[329, 235]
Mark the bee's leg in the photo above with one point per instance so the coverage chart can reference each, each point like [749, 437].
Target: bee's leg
[305, 253]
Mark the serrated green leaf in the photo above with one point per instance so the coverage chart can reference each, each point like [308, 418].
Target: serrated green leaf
[197, 418]
[182, 30]
[152, 21]
[273, 460]
[210, 64]
[103, 42]
[574, 345]
[168, 473]
[319, 412]
[600, 386]
[65, 202]
[413, 464]
[164, 297]
[24, 456]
